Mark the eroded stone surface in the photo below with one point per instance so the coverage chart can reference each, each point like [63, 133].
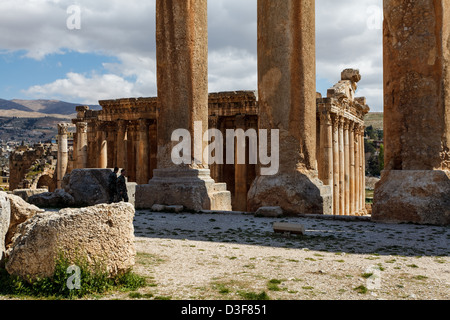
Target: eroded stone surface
[421, 196]
[5, 213]
[104, 234]
[21, 211]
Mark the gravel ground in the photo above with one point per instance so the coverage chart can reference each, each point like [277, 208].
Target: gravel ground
[238, 256]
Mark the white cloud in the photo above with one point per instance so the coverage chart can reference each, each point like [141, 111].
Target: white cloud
[83, 89]
[231, 69]
[126, 29]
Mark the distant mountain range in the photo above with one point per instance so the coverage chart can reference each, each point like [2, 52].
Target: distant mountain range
[39, 108]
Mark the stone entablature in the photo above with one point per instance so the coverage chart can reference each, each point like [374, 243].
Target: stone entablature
[131, 109]
[229, 104]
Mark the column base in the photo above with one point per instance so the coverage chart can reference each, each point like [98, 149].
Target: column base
[295, 193]
[193, 189]
[412, 196]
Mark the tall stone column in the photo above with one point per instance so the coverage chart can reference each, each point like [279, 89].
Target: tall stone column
[357, 173]
[362, 175]
[326, 148]
[153, 148]
[92, 145]
[82, 145]
[287, 102]
[214, 168]
[240, 174]
[102, 147]
[336, 167]
[182, 78]
[132, 151]
[121, 143]
[415, 185]
[74, 159]
[347, 166]
[143, 153]
[63, 154]
[341, 167]
[352, 168]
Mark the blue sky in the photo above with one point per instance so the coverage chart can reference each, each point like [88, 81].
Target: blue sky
[112, 54]
[22, 72]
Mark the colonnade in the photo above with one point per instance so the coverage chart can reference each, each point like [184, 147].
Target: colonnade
[416, 113]
[342, 161]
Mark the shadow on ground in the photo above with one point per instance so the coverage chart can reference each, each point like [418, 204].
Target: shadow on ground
[359, 237]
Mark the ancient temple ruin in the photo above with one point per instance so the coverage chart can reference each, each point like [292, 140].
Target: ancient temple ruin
[321, 149]
[124, 134]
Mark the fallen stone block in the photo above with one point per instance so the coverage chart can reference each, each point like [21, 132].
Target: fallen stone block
[89, 187]
[21, 211]
[102, 234]
[290, 228]
[57, 199]
[5, 214]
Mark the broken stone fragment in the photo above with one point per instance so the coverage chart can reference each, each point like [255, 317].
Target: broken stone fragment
[5, 213]
[290, 228]
[103, 235]
[21, 211]
[351, 74]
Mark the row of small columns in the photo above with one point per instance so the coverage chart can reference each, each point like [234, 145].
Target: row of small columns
[342, 162]
[94, 139]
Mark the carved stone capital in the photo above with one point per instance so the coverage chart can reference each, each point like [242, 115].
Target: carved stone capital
[82, 127]
[325, 118]
[63, 128]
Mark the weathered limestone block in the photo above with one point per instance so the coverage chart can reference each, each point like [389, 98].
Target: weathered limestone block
[57, 199]
[421, 196]
[290, 228]
[351, 74]
[295, 193]
[103, 234]
[5, 213]
[21, 211]
[89, 187]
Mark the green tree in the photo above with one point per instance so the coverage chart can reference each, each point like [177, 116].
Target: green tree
[369, 147]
